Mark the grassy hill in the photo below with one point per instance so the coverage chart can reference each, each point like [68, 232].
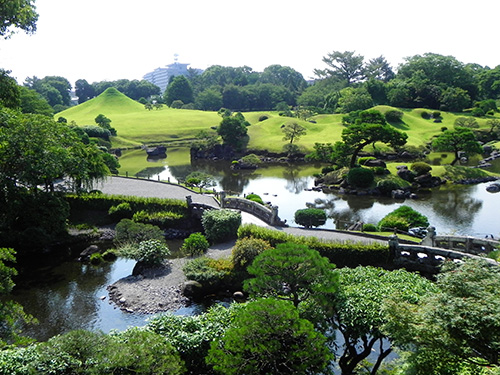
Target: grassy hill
[136, 125]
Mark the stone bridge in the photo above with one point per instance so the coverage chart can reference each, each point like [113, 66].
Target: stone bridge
[433, 250]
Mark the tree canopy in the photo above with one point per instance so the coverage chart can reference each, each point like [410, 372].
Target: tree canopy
[457, 140]
[17, 14]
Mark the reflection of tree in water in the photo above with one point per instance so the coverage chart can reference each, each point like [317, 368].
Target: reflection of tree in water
[149, 172]
[328, 205]
[344, 218]
[180, 171]
[294, 183]
[456, 205]
[357, 203]
[230, 180]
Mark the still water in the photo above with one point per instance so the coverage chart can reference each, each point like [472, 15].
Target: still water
[71, 295]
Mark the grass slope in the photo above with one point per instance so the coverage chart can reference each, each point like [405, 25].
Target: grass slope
[136, 125]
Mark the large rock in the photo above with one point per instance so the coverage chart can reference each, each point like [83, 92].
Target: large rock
[375, 163]
[405, 173]
[192, 289]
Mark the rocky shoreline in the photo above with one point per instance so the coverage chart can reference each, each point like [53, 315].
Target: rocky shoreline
[159, 289]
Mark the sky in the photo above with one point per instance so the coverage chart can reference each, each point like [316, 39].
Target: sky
[101, 40]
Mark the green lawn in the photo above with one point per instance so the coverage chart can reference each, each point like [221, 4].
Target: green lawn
[136, 125]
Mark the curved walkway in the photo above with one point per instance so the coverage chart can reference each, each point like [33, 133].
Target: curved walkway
[155, 189]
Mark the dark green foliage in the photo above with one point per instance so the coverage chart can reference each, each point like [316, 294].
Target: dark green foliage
[221, 225]
[310, 217]
[179, 90]
[254, 198]
[263, 118]
[426, 115]
[360, 177]
[149, 252]
[128, 231]
[233, 131]
[339, 253]
[195, 244]
[386, 186]
[96, 131]
[370, 227]
[246, 249]
[477, 112]
[292, 272]
[420, 168]
[269, 337]
[402, 219]
[364, 159]
[134, 351]
[200, 179]
[394, 116]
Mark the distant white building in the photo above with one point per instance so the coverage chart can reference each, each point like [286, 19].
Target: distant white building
[161, 76]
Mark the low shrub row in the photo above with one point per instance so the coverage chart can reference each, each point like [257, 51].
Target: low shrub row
[342, 254]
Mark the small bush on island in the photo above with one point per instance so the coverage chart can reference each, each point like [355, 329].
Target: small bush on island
[360, 177]
[246, 249]
[403, 218]
[163, 219]
[212, 274]
[149, 252]
[221, 225]
[420, 168]
[310, 217]
[196, 244]
[120, 211]
[128, 231]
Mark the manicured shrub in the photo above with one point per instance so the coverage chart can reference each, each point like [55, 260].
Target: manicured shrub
[149, 252]
[263, 118]
[246, 249]
[96, 131]
[163, 219]
[254, 198]
[195, 244]
[387, 186]
[394, 116]
[310, 217]
[477, 112]
[250, 160]
[221, 225]
[392, 222]
[379, 171]
[426, 115]
[436, 114]
[403, 218]
[420, 168]
[128, 231]
[121, 211]
[360, 177]
[369, 227]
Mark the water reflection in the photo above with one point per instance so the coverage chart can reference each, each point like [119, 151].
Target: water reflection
[451, 209]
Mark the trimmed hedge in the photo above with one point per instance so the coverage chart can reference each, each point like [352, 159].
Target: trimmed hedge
[105, 202]
[342, 254]
[221, 225]
[310, 217]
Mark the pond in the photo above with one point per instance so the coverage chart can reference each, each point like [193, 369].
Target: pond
[71, 295]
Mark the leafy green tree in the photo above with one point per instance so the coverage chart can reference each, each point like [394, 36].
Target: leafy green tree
[293, 131]
[200, 179]
[17, 14]
[55, 89]
[357, 136]
[357, 312]
[105, 123]
[379, 69]
[459, 139]
[466, 122]
[269, 337]
[460, 323]
[233, 131]
[284, 76]
[11, 313]
[346, 66]
[84, 91]
[148, 252]
[353, 99]
[9, 90]
[33, 102]
[292, 272]
[209, 100]
[455, 99]
[179, 89]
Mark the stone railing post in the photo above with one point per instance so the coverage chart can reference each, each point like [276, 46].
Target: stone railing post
[394, 249]
[222, 199]
[274, 215]
[430, 238]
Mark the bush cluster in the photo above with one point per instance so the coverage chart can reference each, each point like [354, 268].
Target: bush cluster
[255, 198]
[121, 211]
[403, 218]
[310, 217]
[246, 249]
[342, 254]
[196, 244]
[394, 116]
[128, 231]
[221, 225]
[212, 274]
[420, 168]
[163, 219]
[360, 177]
